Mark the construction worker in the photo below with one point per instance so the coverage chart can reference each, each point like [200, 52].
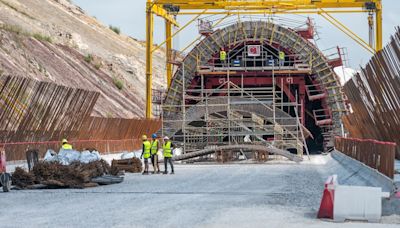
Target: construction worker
[65, 145]
[222, 56]
[167, 149]
[145, 154]
[281, 58]
[155, 146]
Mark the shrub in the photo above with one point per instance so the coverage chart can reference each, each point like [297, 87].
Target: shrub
[115, 29]
[12, 28]
[98, 66]
[41, 37]
[88, 58]
[118, 83]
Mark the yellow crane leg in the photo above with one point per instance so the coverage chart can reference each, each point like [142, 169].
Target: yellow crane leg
[149, 59]
[378, 29]
[168, 44]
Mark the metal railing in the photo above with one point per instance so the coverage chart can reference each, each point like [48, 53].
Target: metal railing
[375, 154]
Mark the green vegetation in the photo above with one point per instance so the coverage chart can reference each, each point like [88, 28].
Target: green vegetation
[13, 28]
[41, 37]
[88, 58]
[118, 83]
[97, 66]
[19, 31]
[115, 29]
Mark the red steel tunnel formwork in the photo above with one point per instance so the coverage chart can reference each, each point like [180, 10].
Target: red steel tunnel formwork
[303, 78]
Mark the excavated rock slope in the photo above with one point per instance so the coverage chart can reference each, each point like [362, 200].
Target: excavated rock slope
[54, 40]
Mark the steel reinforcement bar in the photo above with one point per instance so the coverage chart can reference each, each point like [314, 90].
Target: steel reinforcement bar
[37, 115]
[374, 95]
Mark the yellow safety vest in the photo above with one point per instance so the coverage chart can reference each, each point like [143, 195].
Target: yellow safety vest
[147, 148]
[281, 55]
[67, 146]
[154, 147]
[167, 150]
[222, 55]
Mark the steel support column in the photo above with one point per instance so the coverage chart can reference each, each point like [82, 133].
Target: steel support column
[378, 29]
[149, 57]
[168, 44]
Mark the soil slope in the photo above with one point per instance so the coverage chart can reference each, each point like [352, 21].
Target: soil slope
[54, 40]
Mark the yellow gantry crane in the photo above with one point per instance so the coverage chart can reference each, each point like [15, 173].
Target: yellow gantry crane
[170, 9]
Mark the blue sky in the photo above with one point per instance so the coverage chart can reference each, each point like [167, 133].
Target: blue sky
[129, 15]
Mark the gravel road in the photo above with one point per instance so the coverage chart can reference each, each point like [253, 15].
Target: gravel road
[234, 195]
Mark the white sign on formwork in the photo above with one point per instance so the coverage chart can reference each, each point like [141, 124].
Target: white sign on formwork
[253, 50]
[358, 203]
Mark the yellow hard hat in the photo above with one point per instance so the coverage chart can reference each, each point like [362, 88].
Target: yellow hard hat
[64, 141]
[144, 137]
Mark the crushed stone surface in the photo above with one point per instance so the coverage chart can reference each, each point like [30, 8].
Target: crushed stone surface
[232, 195]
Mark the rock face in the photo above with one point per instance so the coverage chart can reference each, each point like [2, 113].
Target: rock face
[53, 40]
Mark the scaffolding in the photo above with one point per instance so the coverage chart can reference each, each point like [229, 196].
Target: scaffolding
[233, 114]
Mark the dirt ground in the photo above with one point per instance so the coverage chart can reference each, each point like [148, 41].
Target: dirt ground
[283, 194]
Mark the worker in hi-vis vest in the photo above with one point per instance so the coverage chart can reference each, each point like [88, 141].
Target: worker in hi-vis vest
[65, 145]
[281, 58]
[167, 150]
[155, 146]
[222, 56]
[145, 154]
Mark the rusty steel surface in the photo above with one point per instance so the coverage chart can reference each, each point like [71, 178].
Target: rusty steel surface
[37, 115]
[31, 110]
[117, 128]
[374, 95]
[375, 154]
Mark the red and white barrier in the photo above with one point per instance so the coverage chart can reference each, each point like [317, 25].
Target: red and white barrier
[341, 202]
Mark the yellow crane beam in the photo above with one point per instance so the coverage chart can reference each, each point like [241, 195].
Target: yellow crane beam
[273, 11]
[263, 4]
[161, 12]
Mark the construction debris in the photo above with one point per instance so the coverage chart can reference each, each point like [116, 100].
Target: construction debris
[132, 165]
[22, 178]
[56, 175]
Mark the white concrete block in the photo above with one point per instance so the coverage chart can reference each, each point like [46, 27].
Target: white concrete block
[357, 203]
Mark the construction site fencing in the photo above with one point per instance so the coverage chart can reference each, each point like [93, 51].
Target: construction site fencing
[375, 154]
[37, 115]
[374, 97]
[106, 135]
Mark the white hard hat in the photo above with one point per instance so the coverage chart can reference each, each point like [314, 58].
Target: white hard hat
[166, 138]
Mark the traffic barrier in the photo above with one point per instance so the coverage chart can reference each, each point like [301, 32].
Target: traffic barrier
[358, 203]
[327, 201]
[340, 202]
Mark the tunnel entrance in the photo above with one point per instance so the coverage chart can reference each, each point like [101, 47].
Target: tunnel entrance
[254, 82]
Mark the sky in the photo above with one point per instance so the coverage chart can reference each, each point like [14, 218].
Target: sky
[129, 15]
